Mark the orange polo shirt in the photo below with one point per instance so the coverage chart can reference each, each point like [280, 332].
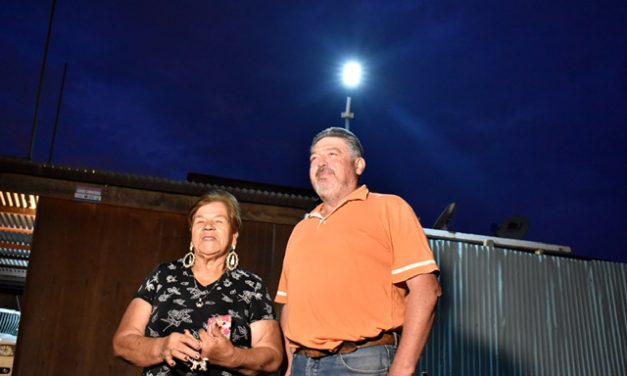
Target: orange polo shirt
[342, 274]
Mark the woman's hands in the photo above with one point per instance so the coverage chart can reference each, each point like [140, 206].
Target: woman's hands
[130, 343]
[265, 355]
[180, 346]
[216, 347]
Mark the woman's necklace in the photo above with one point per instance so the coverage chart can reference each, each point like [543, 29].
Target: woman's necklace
[202, 294]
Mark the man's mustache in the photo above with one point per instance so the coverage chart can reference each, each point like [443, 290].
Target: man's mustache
[323, 170]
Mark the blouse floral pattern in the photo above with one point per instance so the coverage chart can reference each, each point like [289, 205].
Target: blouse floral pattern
[179, 302]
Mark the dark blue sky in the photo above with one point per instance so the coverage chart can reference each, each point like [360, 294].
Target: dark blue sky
[507, 108]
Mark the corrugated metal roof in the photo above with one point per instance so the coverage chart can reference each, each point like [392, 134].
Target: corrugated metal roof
[493, 241]
[508, 312]
[245, 191]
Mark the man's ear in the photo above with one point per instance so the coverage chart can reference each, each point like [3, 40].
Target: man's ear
[360, 166]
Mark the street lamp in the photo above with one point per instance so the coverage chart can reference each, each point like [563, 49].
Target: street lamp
[351, 77]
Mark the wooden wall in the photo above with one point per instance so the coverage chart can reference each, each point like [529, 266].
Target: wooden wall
[87, 262]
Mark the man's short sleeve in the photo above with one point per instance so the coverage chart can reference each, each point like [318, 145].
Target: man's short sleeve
[411, 252]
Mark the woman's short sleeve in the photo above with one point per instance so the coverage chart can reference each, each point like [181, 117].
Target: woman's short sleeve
[152, 284]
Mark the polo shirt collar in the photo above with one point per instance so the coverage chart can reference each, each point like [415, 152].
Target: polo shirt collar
[359, 194]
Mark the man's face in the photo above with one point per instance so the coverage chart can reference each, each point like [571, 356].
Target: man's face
[333, 171]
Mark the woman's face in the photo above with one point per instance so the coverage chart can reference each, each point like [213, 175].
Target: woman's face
[211, 230]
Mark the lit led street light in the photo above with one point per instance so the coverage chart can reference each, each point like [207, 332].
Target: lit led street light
[351, 74]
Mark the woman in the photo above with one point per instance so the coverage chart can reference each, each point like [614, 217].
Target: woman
[201, 315]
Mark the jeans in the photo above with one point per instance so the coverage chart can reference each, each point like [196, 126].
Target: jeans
[373, 360]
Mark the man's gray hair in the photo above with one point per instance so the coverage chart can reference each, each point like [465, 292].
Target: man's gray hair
[353, 142]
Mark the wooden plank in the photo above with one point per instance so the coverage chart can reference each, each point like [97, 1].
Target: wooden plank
[13, 229]
[20, 211]
[13, 245]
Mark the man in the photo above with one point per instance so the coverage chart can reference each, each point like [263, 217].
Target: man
[357, 270]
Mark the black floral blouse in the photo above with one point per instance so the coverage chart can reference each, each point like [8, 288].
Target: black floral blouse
[179, 302]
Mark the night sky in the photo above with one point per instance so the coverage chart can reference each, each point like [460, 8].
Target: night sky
[507, 108]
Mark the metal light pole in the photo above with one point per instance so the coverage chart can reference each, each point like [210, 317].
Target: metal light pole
[347, 115]
[351, 76]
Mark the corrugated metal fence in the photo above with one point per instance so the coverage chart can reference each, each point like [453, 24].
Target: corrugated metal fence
[507, 312]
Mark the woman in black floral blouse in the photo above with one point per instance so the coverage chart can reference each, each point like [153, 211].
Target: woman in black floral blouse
[201, 314]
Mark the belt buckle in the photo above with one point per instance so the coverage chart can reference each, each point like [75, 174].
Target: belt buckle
[314, 353]
[347, 348]
[318, 354]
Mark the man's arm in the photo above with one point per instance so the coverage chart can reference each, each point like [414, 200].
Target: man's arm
[424, 291]
[289, 351]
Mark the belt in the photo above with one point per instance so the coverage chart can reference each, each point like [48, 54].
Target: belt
[386, 338]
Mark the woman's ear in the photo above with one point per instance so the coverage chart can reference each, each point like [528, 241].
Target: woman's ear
[234, 240]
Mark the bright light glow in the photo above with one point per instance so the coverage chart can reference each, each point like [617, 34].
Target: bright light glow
[351, 74]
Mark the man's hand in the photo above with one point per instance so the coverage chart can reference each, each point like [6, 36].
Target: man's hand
[420, 304]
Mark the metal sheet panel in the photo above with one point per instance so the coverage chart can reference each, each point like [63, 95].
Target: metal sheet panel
[507, 312]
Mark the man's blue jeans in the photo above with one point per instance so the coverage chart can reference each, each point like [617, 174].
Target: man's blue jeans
[373, 360]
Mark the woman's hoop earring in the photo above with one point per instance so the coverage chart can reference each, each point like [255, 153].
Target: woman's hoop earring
[190, 257]
[232, 260]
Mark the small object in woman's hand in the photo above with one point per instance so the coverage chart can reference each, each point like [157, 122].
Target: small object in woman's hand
[223, 322]
[201, 365]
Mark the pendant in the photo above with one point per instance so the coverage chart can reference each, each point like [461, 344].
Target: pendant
[199, 303]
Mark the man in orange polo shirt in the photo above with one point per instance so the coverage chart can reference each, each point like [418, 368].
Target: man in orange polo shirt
[358, 272]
